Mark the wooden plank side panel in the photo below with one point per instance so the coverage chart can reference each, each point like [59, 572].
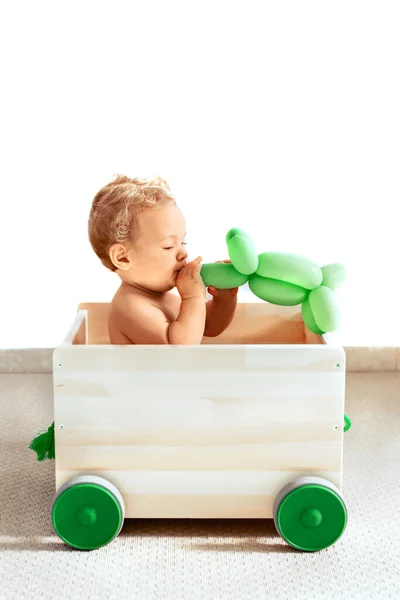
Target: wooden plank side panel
[225, 386]
[163, 408]
[275, 456]
[200, 423]
[212, 435]
[174, 359]
[207, 495]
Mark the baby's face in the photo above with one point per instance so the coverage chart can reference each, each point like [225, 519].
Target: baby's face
[159, 251]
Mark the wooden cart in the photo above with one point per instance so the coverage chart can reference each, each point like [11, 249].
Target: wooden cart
[246, 425]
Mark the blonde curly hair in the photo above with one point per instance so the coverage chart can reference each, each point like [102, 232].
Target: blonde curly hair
[114, 207]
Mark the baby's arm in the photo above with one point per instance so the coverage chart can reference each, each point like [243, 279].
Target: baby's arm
[189, 326]
[220, 312]
[144, 323]
[221, 309]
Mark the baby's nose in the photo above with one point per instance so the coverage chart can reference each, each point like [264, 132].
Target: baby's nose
[183, 254]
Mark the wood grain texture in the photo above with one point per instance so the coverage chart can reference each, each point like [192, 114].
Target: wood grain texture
[204, 494]
[275, 456]
[220, 358]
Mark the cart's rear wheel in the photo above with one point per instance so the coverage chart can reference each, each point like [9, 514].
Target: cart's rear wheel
[87, 512]
[310, 513]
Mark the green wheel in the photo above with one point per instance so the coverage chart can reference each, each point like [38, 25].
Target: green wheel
[87, 512]
[310, 514]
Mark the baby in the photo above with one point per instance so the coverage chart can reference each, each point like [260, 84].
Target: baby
[137, 230]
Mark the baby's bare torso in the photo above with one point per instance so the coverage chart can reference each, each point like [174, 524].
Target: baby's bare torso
[168, 303]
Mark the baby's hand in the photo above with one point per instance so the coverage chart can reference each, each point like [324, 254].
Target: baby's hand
[189, 282]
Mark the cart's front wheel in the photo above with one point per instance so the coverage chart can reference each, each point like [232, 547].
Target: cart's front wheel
[310, 513]
[87, 512]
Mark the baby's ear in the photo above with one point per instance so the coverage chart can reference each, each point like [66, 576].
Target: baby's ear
[119, 257]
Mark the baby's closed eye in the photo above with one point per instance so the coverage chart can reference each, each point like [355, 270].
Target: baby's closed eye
[171, 247]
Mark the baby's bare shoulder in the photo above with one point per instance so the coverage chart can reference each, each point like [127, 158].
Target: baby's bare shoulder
[140, 319]
[131, 305]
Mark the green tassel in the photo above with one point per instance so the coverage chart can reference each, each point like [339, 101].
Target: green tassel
[43, 444]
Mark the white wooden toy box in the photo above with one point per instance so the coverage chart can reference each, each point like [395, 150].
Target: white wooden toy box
[210, 431]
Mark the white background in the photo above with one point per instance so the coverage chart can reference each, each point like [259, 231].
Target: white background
[278, 117]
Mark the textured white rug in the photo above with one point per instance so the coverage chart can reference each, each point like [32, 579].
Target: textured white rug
[203, 560]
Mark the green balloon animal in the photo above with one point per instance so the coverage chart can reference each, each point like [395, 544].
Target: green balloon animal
[280, 278]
